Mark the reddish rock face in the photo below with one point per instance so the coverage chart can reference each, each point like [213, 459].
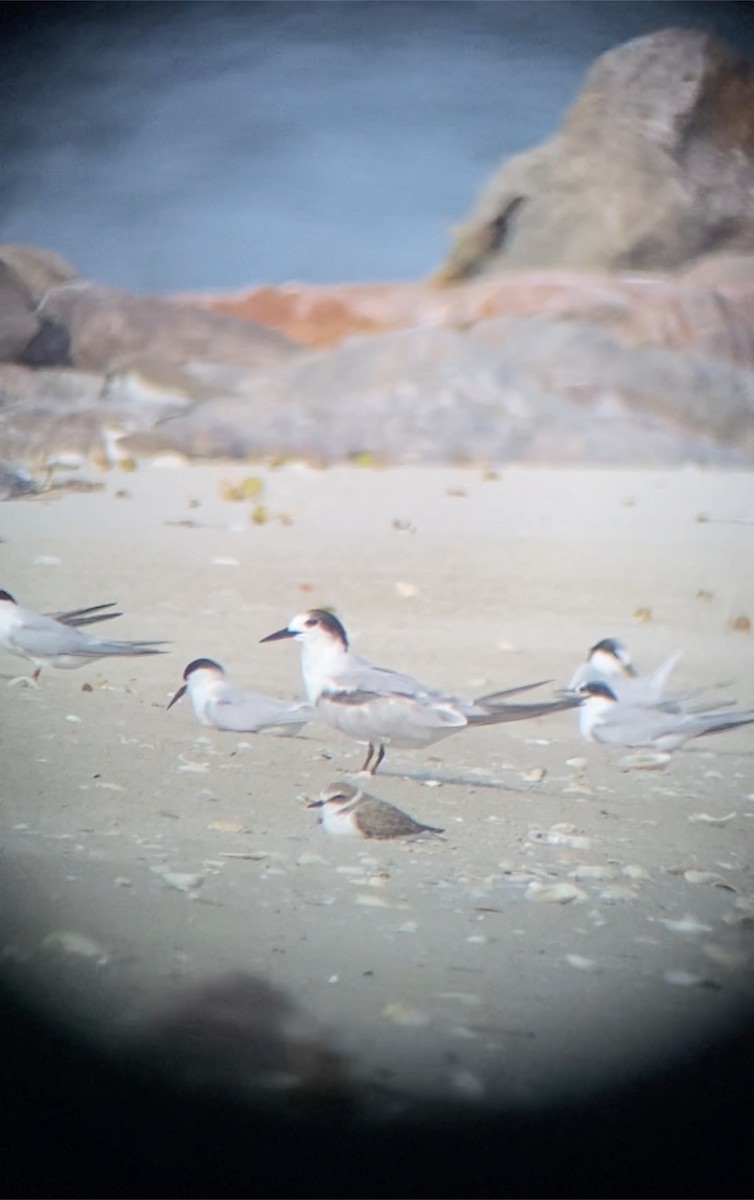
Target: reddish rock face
[710, 317]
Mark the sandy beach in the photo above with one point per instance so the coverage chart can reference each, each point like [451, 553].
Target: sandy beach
[142, 851]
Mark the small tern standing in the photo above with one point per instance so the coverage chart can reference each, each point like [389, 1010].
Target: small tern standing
[605, 717]
[384, 707]
[350, 812]
[219, 703]
[56, 641]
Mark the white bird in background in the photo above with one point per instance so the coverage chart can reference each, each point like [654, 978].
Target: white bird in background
[219, 703]
[348, 811]
[607, 718]
[609, 661]
[54, 640]
[384, 707]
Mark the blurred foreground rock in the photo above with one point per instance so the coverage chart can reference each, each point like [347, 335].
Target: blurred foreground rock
[652, 169]
[237, 1035]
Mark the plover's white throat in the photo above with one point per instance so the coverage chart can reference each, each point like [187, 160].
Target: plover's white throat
[348, 811]
[605, 717]
[219, 703]
[384, 707]
[55, 640]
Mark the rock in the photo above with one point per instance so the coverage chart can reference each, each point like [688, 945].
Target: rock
[18, 324]
[652, 168]
[508, 389]
[721, 268]
[48, 412]
[686, 314]
[15, 481]
[236, 1034]
[111, 329]
[37, 268]
[511, 389]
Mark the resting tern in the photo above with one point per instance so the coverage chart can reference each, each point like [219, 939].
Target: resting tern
[608, 661]
[54, 640]
[381, 706]
[350, 812]
[605, 717]
[219, 703]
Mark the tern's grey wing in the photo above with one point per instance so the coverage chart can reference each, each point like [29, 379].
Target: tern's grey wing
[86, 616]
[363, 676]
[717, 722]
[248, 712]
[404, 719]
[63, 641]
[38, 634]
[500, 713]
[492, 698]
[639, 726]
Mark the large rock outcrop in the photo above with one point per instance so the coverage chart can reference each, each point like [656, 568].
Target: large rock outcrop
[652, 169]
[51, 317]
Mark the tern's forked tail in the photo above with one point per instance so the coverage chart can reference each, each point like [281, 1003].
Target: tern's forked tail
[521, 712]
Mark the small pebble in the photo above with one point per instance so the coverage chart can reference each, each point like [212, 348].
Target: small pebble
[617, 893]
[683, 979]
[467, 1084]
[180, 881]
[590, 871]
[580, 963]
[687, 924]
[725, 957]
[404, 1014]
[634, 871]
[534, 775]
[71, 942]
[554, 893]
[645, 760]
[371, 901]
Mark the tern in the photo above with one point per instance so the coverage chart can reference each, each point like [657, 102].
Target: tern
[219, 703]
[55, 640]
[605, 717]
[609, 661]
[384, 707]
[348, 811]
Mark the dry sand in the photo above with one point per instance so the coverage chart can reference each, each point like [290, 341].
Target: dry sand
[428, 965]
